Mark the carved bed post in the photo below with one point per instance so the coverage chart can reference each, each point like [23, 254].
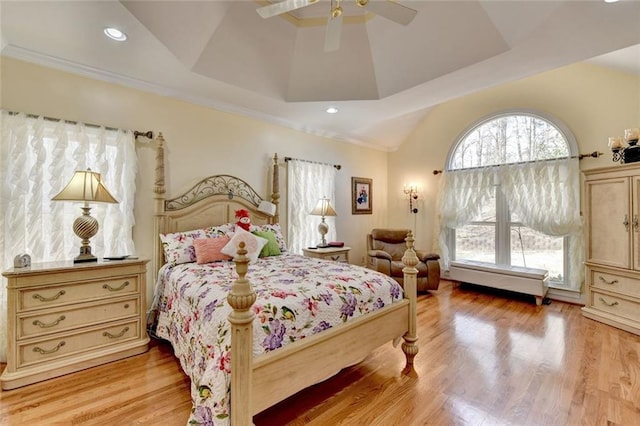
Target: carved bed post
[159, 190]
[275, 193]
[409, 346]
[241, 298]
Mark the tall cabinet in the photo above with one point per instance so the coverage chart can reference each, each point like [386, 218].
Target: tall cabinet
[612, 224]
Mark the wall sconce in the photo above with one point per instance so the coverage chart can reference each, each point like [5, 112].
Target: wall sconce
[412, 192]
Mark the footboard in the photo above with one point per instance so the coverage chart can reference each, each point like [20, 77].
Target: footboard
[257, 385]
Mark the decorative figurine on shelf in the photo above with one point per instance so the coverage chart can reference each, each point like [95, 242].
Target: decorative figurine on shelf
[243, 219]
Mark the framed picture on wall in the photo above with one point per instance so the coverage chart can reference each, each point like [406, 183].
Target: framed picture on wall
[361, 195]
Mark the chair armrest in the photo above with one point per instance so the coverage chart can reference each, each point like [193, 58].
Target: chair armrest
[379, 254]
[424, 255]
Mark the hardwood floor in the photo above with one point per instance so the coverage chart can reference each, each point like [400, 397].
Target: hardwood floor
[485, 358]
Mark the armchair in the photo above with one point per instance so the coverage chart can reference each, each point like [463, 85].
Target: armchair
[385, 248]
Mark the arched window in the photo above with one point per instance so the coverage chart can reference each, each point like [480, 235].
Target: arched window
[511, 196]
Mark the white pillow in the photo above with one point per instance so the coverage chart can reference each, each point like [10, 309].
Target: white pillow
[252, 243]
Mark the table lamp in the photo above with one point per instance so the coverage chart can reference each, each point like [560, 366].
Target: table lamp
[323, 208]
[85, 186]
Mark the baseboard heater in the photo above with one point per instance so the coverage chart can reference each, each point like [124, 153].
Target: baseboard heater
[519, 279]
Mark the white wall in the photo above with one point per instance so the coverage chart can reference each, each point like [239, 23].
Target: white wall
[200, 142]
[593, 102]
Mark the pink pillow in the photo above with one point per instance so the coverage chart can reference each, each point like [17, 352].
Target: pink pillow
[209, 249]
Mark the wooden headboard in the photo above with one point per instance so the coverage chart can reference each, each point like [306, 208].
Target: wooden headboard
[212, 201]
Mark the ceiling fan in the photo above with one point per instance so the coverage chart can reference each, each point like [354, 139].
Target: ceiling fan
[386, 8]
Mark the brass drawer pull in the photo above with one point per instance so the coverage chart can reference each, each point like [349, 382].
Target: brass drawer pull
[108, 287]
[115, 336]
[49, 299]
[608, 303]
[335, 257]
[635, 222]
[607, 282]
[51, 324]
[625, 222]
[50, 351]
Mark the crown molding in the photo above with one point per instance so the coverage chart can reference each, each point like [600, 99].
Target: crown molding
[31, 56]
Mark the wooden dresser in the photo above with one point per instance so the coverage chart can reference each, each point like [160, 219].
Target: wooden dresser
[63, 317]
[612, 237]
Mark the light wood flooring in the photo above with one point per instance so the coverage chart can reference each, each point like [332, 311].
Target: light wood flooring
[485, 358]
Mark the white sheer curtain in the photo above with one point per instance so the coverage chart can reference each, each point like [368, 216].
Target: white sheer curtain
[461, 197]
[38, 157]
[545, 195]
[307, 183]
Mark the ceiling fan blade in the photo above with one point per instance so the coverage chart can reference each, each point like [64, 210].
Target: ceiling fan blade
[283, 7]
[392, 11]
[332, 37]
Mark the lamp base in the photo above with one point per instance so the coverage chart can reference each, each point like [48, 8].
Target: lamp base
[85, 227]
[82, 259]
[85, 255]
[321, 245]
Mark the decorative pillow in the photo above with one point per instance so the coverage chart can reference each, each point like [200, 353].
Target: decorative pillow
[275, 228]
[271, 248]
[224, 229]
[252, 243]
[178, 247]
[210, 249]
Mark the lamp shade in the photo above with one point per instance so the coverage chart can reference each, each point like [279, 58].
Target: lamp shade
[323, 208]
[85, 185]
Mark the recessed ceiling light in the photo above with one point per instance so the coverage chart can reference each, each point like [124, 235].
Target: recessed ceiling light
[332, 110]
[115, 34]
[611, 1]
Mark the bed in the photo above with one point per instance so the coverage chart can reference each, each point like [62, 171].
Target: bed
[288, 321]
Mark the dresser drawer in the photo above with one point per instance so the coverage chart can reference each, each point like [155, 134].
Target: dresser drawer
[74, 316]
[614, 282]
[44, 297]
[615, 305]
[338, 257]
[68, 344]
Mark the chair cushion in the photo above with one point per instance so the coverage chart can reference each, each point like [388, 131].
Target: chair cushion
[396, 251]
[393, 236]
[397, 266]
[390, 240]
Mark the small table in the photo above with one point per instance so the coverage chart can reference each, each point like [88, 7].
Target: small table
[337, 254]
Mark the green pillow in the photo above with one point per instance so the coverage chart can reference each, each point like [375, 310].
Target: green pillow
[271, 248]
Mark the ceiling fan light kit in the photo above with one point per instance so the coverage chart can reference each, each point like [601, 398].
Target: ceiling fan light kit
[388, 9]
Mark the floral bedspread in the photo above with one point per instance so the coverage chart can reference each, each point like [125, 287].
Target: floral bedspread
[296, 297]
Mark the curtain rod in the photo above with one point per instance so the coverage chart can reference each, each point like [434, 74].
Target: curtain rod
[594, 154]
[337, 166]
[148, 134]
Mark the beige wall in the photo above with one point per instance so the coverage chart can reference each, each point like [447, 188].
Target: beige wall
[200, 142]
[593, 102]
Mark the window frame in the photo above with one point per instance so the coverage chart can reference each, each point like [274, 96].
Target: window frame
[503, 223]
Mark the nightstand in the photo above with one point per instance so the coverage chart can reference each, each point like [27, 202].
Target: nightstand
[338, 254]
[64, 317]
